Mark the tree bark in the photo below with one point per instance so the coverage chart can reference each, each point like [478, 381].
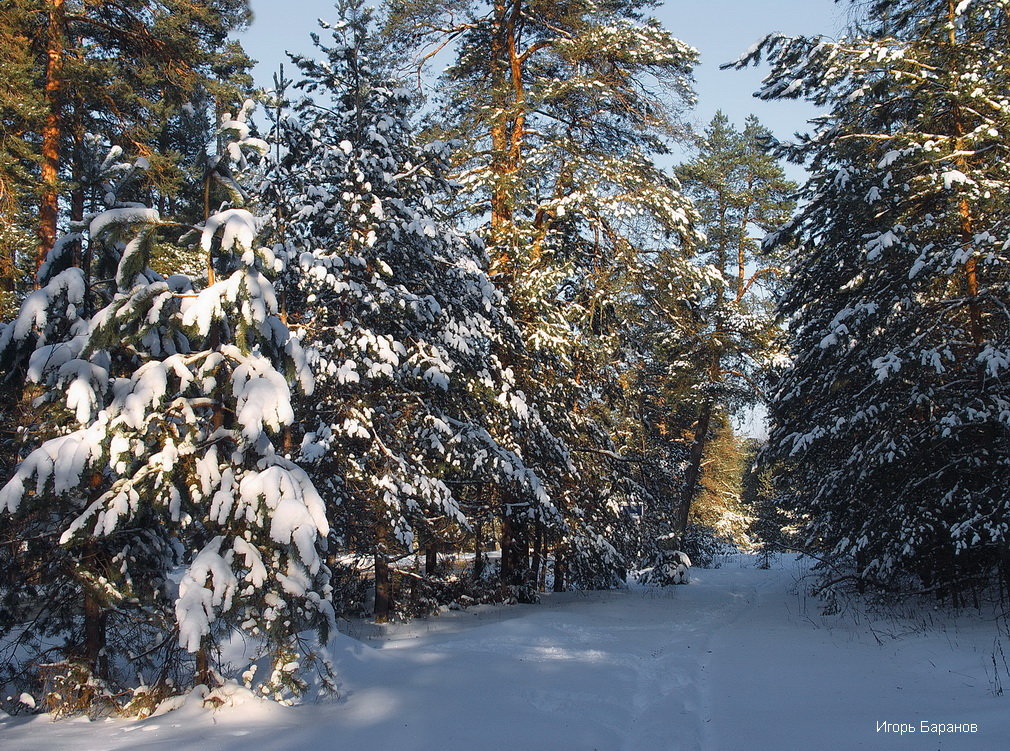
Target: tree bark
[52, 132]
[741, 249]
[203, 674]
[693, 473]
[508, 130]
[1004, 565]
[518, 133]
[431, 559]
[538, 547]
[7, 271]
[507, 568]
[515, 557]
[77, 210]
[500, 213]
[478, 554]
[383, 580]
[94, 634]
[560, 571]
[964, 210]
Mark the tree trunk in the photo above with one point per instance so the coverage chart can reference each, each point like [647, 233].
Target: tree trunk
[7, 272]
[521, 546]
[560, 571]
[431, 559]
[542, 575]
[971, 286]
[52, 132]
[507, 567]
[77, 215]
[94, 634]
[203, 675]
[383, 580]
[741, 250]
[538, 548]
[518, 92]
[860, 568]
[500, 213]
[515, 555]
[478, 554]
[508, 130]
[693, 473]
[1004, 567]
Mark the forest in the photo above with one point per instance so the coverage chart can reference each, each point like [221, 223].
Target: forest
[273, 359]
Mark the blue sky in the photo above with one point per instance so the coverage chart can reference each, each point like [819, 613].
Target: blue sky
[719, 29]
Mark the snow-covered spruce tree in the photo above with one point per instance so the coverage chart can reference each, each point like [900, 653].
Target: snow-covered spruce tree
[154, 450]
[416, 413]
[895, 409]
[560, 108]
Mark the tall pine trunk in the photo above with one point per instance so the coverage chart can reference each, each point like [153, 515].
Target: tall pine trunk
[693, 473]
[93, 647]
[93, 612]
[94, 633]
[77, 200]
[52, 132]
[507, 542]
[971, 287]
[500, 210]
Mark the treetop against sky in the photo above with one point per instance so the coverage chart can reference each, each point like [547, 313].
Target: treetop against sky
[721, 30]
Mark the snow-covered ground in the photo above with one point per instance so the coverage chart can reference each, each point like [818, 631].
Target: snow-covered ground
[736, 660]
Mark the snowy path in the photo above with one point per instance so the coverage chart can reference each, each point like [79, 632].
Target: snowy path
[729, 662]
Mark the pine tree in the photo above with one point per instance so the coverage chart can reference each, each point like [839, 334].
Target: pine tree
[894, 409]
[21, 109]
[740, 191]
[559, 134]
[77, 56]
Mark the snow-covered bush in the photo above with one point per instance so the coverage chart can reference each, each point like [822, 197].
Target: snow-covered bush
[666, 567]
[666, 564]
